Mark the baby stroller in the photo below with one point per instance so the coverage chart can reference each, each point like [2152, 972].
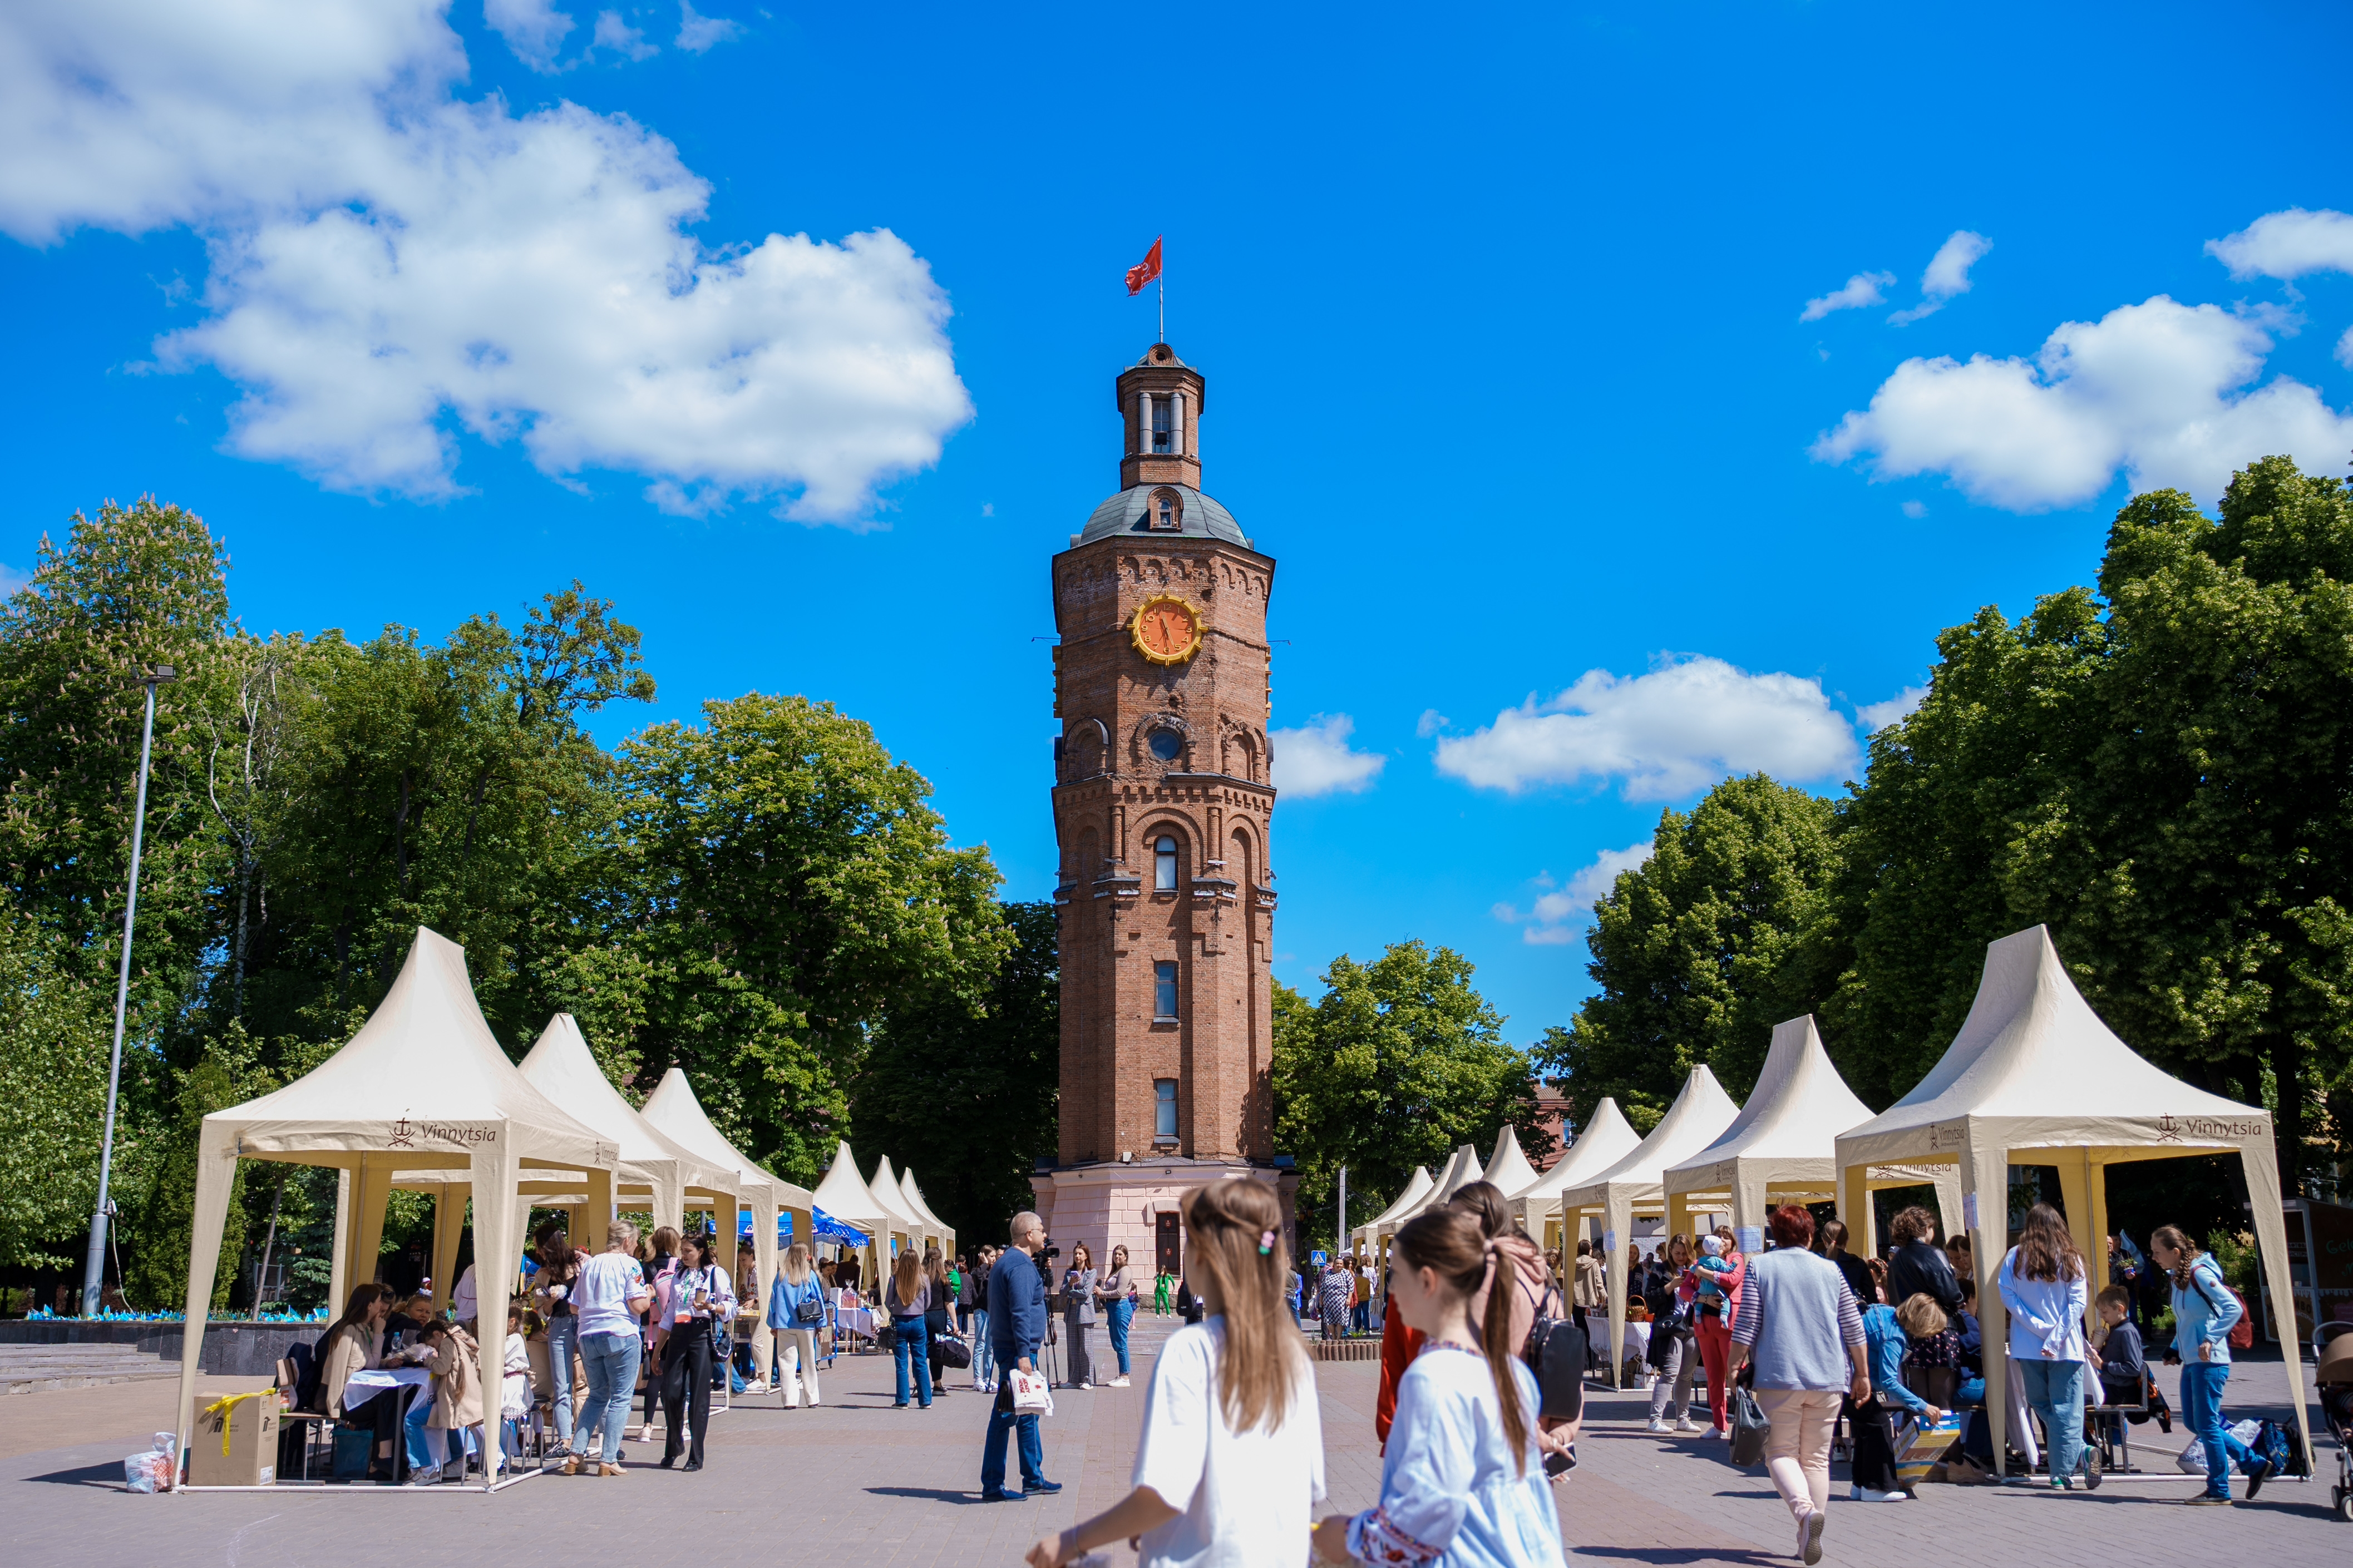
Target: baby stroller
[2333, 1345]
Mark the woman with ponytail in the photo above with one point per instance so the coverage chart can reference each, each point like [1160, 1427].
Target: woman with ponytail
[1230, 1461]
[1462, 1481]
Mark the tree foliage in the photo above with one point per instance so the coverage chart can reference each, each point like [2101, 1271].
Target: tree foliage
[2160, 769]
[1703, 948]
[747, 897]
[966, 1087]
[1400, 1060]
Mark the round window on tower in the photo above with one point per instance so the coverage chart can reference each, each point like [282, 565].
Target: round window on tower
[1165, 744]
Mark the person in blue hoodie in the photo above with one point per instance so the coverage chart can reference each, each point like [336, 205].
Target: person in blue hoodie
[2205, 1309]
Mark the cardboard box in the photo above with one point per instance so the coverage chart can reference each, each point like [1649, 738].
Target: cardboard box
[236, 1442]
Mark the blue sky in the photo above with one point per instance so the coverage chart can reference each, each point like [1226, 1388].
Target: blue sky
[1606, 380]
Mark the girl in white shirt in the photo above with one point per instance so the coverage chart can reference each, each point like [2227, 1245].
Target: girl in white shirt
[1230, 1461]
[1462, 1481]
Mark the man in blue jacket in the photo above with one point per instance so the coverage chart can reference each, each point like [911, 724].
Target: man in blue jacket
[1017, 1323]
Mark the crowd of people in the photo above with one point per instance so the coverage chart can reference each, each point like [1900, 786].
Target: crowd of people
[1885, 1349]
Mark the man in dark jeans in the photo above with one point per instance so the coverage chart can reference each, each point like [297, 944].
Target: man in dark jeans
[1918, 1267]
[1017, 1323]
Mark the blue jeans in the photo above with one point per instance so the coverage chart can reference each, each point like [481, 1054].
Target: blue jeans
[2055, 1390]
[2201, 1411]
[1002, 1420]
[612, 1363]
[915, 1341]
[1122, 1311]
[562, 1338]
[425, 1447]
[984, 1355]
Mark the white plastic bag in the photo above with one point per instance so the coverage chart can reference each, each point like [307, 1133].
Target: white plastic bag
[2193, 1461]
[156, 1471]
[1032, 1395]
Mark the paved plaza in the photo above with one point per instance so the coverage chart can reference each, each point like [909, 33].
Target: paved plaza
[858, 1482]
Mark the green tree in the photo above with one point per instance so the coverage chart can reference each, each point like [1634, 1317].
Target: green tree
[1399, 1061]
[1698, 952]
[963, 1090]
[1927, 843]
[786, 883]
[130, 590]
[2201, 862]
[56, 1029]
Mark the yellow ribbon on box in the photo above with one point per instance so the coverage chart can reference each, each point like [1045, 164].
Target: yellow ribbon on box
[225, 1407]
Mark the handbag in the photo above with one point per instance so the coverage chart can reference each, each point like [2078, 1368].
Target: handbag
[1031, 1393]
[1750, 1427]
[952, 1351]
[811, 1310]
[1556, 1353]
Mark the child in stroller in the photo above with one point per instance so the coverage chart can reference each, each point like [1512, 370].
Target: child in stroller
[2333, 1345]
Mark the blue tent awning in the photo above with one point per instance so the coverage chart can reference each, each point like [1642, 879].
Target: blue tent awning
[828, 1228]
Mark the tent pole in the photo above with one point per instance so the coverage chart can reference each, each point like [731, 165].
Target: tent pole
[215, 1176]
[2261, 1159]
[2097, 1181]
[338, 1249]
[1986, 1177]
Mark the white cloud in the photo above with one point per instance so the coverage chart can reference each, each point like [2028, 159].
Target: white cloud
[1916, 509]
[1948, 275]
[1863, 289]
[613, 34]
[1315, 760]
[1671, 732]
[2287, 245]
[1430, 722]
[697, 32]
[1876, 716]
[1558, 917]
[2153, 388]
[534, 29]
[391, 265]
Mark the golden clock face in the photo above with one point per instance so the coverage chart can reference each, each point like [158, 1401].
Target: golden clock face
[1167, 630]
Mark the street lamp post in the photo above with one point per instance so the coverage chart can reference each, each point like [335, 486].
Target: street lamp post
[93, 1272]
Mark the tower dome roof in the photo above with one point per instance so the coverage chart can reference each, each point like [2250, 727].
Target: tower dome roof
[1131, 511]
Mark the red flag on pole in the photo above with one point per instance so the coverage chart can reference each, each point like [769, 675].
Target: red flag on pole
[1145, 271]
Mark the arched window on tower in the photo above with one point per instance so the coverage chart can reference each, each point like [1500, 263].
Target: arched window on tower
[1164, 865]
[1167, 513]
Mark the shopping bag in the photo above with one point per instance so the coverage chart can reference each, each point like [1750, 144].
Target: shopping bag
[1921, 1445]
[1032, 1395]
[1750, 1427]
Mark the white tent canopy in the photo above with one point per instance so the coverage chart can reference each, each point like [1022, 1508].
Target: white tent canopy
[652, 1163]
[423, 1085]
[674, 1111]
[844, 1195]
[1697, 1119]
[933, 1232]
[1417, 1187]
[887, 1196]
[2035, 1077]
[1605, 1140]
[923, 1211]
[1782, 1147]
[1508, 1170]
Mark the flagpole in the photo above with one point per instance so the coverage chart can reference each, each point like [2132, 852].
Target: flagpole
[1164, 295]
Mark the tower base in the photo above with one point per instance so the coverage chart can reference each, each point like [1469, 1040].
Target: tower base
[1109, 1204]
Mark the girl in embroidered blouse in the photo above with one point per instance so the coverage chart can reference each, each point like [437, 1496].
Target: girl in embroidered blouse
[1462, 1482]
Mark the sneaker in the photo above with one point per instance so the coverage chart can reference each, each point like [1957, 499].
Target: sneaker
[2207, 1499]
[752, 1388]
[2257, 1474]
[1687, 1425]
[1658, 1423]
[1119, 1382]
[1865, 1494]
[1033, 1488]
[1809, 1536]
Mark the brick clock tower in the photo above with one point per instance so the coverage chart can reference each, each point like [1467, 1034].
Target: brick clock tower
[1162, 804]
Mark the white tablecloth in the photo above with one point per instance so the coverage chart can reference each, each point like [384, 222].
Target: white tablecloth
[366, 1386]
[857, 1320]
